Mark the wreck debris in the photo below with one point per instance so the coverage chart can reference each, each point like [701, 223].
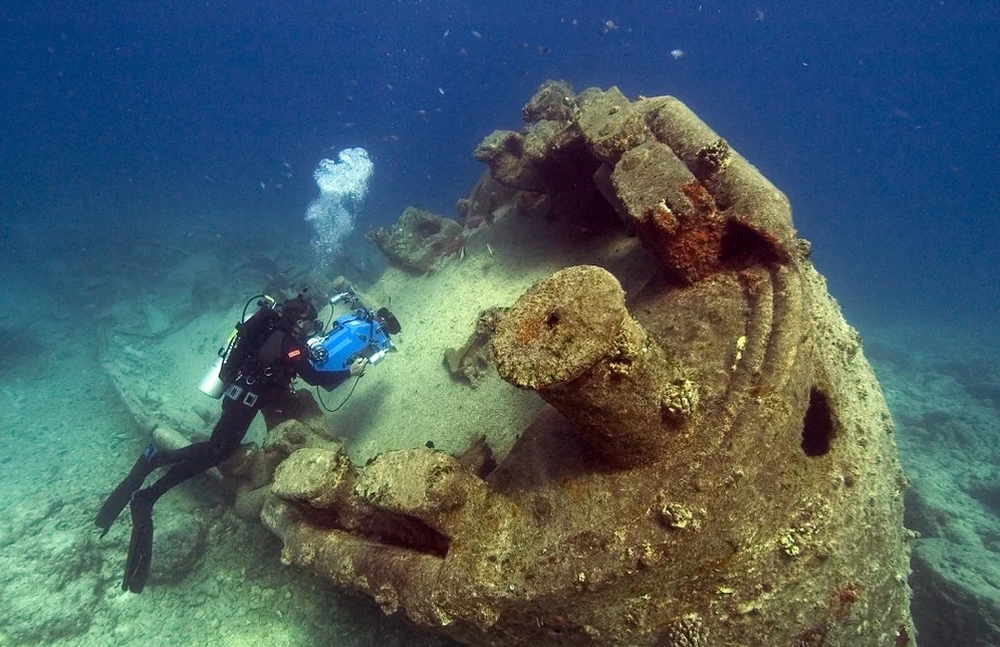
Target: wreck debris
[719, 468]
[419, 239]
[472, 362]
[571, 339]
[478, 207]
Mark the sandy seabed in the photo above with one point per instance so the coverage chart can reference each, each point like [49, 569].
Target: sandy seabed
[68, 437]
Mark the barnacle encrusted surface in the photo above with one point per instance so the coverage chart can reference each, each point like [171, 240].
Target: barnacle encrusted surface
[718, 466]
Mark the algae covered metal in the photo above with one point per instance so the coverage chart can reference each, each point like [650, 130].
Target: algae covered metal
[717, 466]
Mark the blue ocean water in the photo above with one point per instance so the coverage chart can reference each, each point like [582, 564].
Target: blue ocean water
[139, 122]
[877, 120]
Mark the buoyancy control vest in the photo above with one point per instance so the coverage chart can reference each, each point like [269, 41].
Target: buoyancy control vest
[255, 354]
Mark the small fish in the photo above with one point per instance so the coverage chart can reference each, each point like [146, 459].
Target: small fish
[489, 248]
[476, 35]
[446, 32]
[440, 89]
[677, 53]
[262, 186]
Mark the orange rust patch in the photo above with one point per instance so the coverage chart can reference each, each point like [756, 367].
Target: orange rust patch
[662, 218]
[844, 597]
[696, 250]
[699, 197]
[529, 331]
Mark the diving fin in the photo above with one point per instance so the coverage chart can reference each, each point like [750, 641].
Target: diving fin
[122, 494]
[140, 548]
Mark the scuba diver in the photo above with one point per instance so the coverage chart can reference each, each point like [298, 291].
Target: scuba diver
[267, 352]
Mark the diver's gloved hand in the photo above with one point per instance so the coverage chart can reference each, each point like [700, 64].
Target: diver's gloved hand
[358, 366]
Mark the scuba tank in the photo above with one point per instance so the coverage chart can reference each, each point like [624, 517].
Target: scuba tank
[211, 384]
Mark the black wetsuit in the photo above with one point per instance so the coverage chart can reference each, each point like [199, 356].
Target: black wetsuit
[258, 374]
[259, 377]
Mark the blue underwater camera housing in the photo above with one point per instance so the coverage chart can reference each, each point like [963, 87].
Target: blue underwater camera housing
[362, 333]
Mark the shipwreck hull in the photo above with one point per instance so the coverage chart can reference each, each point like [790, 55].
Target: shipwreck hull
[717, 466]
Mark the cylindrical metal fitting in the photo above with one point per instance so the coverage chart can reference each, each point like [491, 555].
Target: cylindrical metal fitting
[571, 339]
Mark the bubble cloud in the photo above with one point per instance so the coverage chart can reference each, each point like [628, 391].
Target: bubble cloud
[343, 184]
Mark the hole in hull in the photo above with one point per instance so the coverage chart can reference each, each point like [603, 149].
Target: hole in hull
[817, 426]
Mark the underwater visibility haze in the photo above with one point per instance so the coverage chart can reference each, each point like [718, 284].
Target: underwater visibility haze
[164, 161]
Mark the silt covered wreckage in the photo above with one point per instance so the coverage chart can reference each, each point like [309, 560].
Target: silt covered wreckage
[717, 466]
